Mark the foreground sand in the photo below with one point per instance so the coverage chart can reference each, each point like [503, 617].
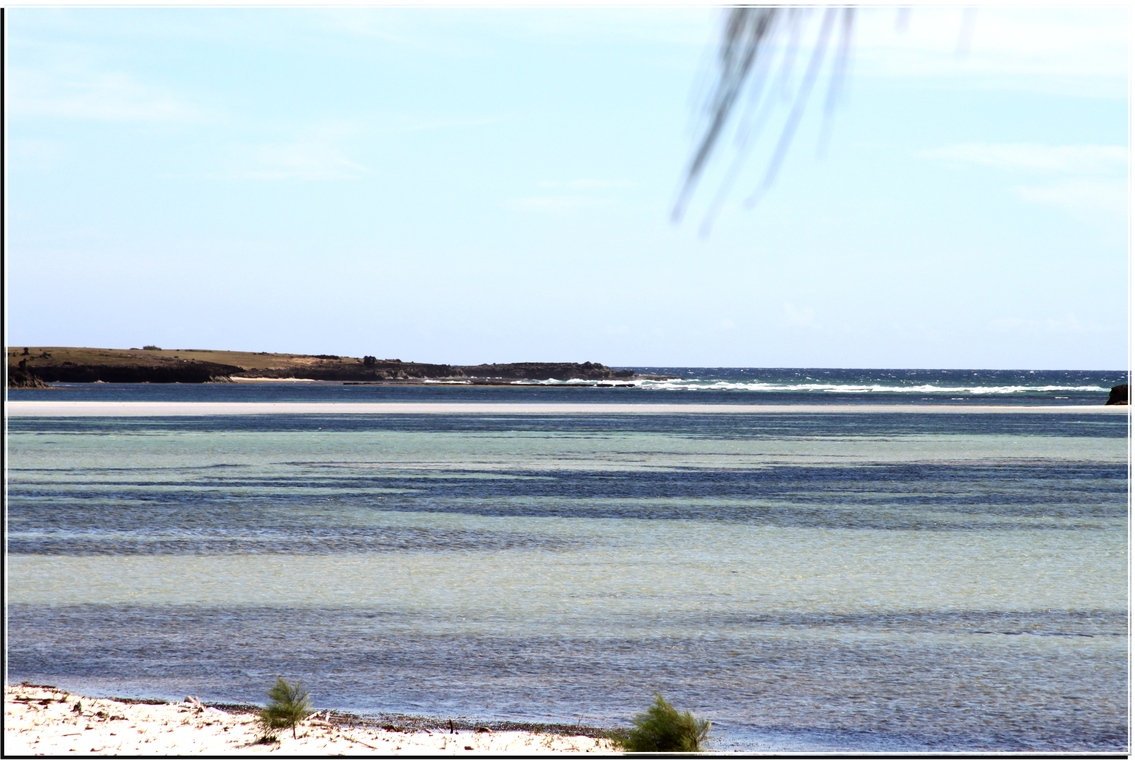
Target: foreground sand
[41, 720]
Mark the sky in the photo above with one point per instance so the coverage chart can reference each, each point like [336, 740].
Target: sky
[466, 185]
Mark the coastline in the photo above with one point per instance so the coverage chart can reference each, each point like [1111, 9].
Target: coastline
[44, 720]
[210, 408]
[151, 364]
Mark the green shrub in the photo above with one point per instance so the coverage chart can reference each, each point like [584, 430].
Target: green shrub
[150, 348]
[288, 704]
[663, 729]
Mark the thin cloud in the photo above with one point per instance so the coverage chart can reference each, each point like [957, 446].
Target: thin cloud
[409, 124]
[299, 161]
[93, 96]
[36, 152]
[1065, 325]
[586, 184]
[316, 153]
[444, 33]
[798, 316]
[560, 204]
[569, 196]
[1087, 181]
[1084, 198]
[1067, 159]
[1076, 51]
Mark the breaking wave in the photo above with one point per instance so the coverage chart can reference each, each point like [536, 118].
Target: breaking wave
[686, 385]
[862, 382]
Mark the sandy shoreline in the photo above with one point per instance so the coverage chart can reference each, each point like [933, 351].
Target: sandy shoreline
[206, 408]
[42, 720]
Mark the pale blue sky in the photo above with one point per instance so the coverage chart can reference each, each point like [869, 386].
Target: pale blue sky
[462, 185]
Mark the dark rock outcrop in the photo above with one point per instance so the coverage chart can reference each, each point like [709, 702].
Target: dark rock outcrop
[1118, 395]
[547, 371]
[385, 370]
[376, 370]
[21, 378]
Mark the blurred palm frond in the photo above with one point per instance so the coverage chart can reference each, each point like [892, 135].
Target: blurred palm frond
[756, 72]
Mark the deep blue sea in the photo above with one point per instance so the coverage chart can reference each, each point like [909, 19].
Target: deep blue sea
[884, 581]
[727, 385]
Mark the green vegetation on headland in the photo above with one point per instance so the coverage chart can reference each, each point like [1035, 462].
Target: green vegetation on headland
[33, 367]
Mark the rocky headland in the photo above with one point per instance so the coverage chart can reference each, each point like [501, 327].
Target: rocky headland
[35, 367]
[21, 378]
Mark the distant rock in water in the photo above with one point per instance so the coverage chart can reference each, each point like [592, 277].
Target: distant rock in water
[1118, 395]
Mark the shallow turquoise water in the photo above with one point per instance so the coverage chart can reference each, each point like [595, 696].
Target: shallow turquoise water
[882, 581]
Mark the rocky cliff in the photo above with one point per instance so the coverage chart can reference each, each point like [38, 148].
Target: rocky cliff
[179, 372]
[66, 365]
[21, 378]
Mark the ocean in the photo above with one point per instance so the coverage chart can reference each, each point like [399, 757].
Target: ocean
[888, 580]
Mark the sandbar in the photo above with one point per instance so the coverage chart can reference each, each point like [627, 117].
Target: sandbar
[212, 408]
[43, 720]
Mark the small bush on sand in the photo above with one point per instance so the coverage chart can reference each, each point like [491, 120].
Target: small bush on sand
[661, 728]
[288, 704]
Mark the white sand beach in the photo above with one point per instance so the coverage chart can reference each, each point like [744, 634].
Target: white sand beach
[42, 720]
[206, 408]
